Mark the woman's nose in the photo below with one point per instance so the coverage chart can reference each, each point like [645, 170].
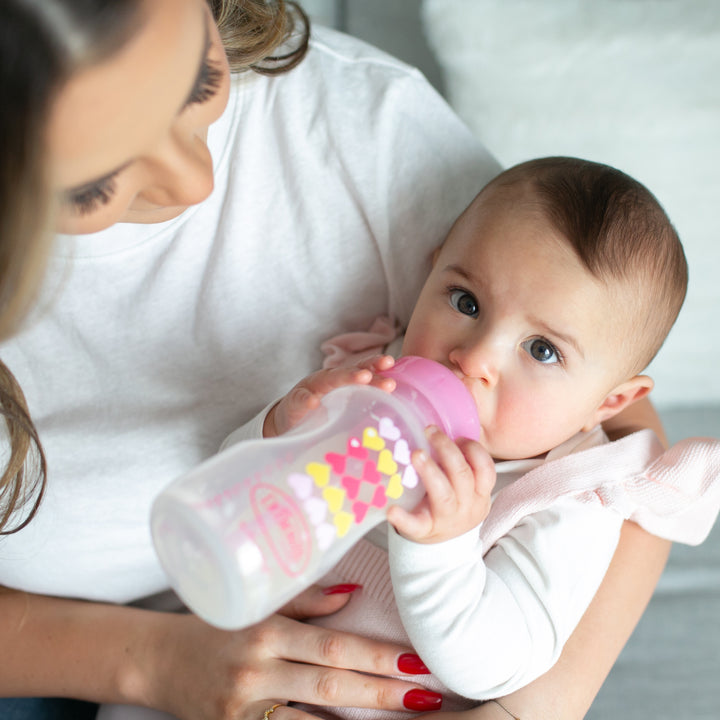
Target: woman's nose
[476, 360]
[181, 172]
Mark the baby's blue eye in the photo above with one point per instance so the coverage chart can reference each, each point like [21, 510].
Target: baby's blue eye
[464, 303]
[542, 351]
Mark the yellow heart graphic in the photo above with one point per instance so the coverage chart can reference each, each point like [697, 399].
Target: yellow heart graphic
[334, 497]
[319, 472]
[372, 440]
[395, 488]
[343, 521]
[386, 465]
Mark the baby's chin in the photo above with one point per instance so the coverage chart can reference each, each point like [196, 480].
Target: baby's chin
[538, 456]
[506, 452]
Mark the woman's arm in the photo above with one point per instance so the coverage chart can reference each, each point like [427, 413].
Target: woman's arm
[567, 691]
[179, 664]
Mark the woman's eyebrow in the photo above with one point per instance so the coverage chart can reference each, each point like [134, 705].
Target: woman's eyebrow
[201, 65]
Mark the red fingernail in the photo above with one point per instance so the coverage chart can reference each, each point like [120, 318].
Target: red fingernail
[411, 664]
[342, 589]
[422, 700]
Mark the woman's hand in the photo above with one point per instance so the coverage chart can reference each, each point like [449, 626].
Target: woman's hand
[198, 672]
[306, 395]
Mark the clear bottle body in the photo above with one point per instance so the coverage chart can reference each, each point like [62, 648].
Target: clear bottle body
[248, 530]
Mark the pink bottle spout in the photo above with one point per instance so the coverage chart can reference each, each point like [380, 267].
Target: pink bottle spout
[437, 395]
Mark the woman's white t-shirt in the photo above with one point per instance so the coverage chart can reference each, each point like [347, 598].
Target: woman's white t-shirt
[333, 183]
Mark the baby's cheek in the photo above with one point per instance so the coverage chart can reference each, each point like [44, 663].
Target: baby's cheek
[525, 426]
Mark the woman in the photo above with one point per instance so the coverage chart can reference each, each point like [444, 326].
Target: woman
[215, 230]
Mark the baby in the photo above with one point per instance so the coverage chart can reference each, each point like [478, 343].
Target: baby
[551, 294]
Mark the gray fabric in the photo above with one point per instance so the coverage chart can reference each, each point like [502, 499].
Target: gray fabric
[669, 669]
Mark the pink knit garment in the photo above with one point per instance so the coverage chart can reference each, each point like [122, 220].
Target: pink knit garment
[673, 494]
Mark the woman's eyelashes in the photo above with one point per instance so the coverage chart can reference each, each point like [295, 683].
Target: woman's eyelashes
[207, 84]
[88, 198]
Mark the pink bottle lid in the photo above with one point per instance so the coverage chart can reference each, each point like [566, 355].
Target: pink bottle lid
[437, 395]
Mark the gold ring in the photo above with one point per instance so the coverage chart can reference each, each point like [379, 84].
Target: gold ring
[270, 711]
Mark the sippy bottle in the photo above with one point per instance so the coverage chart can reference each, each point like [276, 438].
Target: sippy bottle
[249, 529]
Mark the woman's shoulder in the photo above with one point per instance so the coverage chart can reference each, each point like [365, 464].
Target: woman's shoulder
[331, 46]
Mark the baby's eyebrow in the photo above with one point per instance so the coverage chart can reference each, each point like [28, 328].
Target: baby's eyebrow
[460, 270]
[564, 337]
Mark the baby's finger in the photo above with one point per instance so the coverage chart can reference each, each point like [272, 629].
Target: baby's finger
[323, 382]
[455, 476]
[482, 464]
[416, 525]
[378, 363]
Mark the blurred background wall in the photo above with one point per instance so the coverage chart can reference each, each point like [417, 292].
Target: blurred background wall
[632, 83]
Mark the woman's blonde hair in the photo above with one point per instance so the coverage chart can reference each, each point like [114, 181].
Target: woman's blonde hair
[266, 36]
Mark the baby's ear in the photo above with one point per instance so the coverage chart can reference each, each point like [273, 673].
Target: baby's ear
[619, 398]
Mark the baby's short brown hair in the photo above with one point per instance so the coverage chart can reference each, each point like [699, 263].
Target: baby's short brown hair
[620, 232]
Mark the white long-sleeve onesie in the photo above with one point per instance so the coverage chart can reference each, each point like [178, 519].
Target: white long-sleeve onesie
[491, 610]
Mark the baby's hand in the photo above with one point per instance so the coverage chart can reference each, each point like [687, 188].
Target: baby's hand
[306, 395]
[458, 487]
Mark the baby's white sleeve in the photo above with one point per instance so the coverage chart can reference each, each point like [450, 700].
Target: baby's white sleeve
[251, 430]
[488, 626]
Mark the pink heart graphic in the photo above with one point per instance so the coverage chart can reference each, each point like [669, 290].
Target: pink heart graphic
[388, 429]
[301, 485]
[370, 473]
[401, 452]
[379, 499]
[336, 462]
[359, 510]
[355, 449]
[351, 485]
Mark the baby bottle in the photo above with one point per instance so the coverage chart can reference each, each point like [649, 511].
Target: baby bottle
[246, 531]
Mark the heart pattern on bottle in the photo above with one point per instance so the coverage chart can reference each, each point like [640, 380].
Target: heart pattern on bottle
[332, 508]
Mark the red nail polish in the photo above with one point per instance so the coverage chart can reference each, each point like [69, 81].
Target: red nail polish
[422, 700]
[411, 664]
[342, 589]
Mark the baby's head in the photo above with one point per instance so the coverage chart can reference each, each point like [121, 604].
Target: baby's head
[552, 292]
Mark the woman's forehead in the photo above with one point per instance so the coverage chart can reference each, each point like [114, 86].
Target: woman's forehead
[111, 112]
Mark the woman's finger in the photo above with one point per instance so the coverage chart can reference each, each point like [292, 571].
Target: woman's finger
[316, 601]
[286, 639]
[314, 685]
